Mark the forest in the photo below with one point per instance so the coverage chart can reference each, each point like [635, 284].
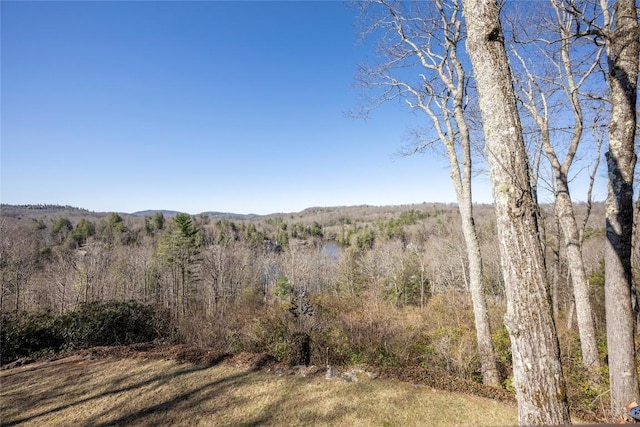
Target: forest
[377, 285]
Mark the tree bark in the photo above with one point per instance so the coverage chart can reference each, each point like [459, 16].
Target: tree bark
[538, 376]
[623, 48]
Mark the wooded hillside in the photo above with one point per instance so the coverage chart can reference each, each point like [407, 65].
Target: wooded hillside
[373, 285]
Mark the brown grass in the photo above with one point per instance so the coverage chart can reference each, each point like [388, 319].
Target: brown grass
[113, 391]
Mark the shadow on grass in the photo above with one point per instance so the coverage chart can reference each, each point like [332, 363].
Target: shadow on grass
[178, 395]
[272, 414]
[162, 378]
[184, 408]
[190, 397]
[176, 410]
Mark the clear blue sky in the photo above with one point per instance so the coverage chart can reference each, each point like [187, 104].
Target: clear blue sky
[199, 106]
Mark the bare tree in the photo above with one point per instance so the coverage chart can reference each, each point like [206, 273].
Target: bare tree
[541, 94]
[60, 273]
[19, 257]
[427, 37]
[538, 376]
[92, 265]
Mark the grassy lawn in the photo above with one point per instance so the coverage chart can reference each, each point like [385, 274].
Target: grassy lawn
[79, 392]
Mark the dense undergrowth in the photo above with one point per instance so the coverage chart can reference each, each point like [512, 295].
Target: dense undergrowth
[92, 324]
[441, 336]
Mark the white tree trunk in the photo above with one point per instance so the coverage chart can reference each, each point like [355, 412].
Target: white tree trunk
[567, 219]
[622, 50]
[486, 352]
[447, 112]
[539, 381]
[536, 102]
[462, 184]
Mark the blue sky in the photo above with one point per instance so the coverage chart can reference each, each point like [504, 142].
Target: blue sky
[199, 106]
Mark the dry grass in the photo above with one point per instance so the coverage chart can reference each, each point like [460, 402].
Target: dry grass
[79, 392]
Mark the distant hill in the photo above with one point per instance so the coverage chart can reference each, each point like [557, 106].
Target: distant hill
[43, 210]
[150, 212]
[210, 214]
[40, 210]
[41, 207]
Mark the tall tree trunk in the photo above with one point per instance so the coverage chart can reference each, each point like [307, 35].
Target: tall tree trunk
[623, 48]
[538, 376]
[536, 102]
[486, 352]
[567, 219]
[564, 208]
[462, 184]
[564, 204]
[461, 177]
[555, 269]
[438, 57]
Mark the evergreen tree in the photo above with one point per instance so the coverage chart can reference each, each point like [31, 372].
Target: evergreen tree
[178, 251]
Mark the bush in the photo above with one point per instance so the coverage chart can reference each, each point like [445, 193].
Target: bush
[24, 334]
[92, 324]
[114, 323]
[502, 346]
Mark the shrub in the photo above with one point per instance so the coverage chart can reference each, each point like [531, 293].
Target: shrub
[24, 334]
[114, 323]
[92, 324]
[502, 346]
